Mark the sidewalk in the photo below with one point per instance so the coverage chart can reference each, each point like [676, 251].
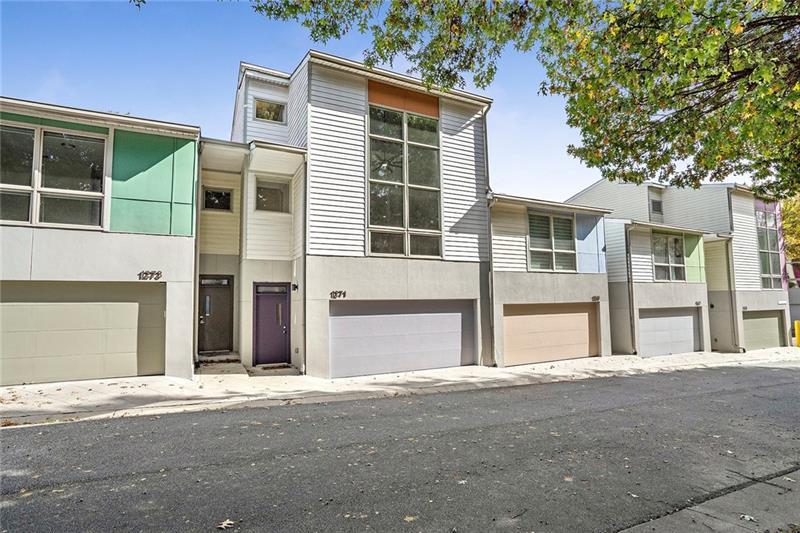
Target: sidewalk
[227, 385]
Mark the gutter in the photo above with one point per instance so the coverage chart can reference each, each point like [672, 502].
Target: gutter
[490, 202]
[631, 302]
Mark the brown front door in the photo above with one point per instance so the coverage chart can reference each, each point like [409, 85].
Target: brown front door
[216, 314]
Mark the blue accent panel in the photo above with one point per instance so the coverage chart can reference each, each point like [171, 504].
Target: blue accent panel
[590, 236]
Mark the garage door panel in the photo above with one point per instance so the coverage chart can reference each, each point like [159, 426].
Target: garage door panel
[763, 329]
[668, 331]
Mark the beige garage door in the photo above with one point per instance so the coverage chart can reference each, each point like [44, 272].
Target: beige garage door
[537, 333]
[61, 331]
[763, 329]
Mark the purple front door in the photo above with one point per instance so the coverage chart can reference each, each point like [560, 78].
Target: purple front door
[271, 323]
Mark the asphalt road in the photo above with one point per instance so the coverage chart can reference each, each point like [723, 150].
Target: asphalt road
[596, 455]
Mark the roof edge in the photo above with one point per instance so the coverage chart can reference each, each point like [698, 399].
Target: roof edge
[522, 200]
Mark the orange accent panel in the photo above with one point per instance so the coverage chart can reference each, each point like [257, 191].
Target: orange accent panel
[398, 98]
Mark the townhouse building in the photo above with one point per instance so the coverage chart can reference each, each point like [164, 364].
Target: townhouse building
[742, 245]
[97, 241]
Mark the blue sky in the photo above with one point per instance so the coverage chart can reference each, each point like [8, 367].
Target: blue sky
[178, 61]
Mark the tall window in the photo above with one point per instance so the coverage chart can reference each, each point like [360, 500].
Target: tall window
[404, 184]
[552, 242]
[669, 257]
[51, 177]
[768, 249]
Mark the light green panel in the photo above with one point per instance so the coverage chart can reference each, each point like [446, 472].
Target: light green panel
[184, 171]
[142, 166]
[695, 259]
[182, 219]
[39, 121]
[140, 216]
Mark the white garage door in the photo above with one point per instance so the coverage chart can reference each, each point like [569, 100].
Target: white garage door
[668, 331]
[379, 337]
[60, 331]
[763, 329]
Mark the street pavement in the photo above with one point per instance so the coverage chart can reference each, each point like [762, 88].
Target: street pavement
[596, 455]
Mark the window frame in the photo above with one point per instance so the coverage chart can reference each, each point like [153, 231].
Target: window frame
[217, 189]
[406, 230]
[552, 250]
[285, 113]
[267, 182]
[669, 264]
[660, 202]
[37, 190]
[772, 276]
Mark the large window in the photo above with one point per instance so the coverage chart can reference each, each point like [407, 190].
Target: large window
[404, 184]
[768, 249]
[51, 177]
[271, 111]
[551, 242]
[669, 259]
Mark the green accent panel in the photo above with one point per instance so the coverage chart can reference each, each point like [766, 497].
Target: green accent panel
[39, 121]
[182, 219]
[184, 171]
[137, 216]
[142, 166]
[695, 259]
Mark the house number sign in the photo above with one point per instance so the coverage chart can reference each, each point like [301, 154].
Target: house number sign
[147, 275]
[336, 295]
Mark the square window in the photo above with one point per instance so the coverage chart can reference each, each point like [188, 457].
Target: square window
[217, 199]
[657, 207]
[63, 210]
[679, 273]
[15, 206]
[272, 111]
[541, 260]
[429, 245]
[662, 273]
[387, 243]
[423, 166]
[423, 130]
[385, 122]
[272, 197]
[72, 162]
[385, 160]
[565, 261]
[16, 155]
[423, 209]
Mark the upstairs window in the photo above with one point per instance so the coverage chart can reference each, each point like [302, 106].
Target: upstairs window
[551, 242]
[768, 249]
[656, 207]
[404, 184]
[271, 111]
[217, 199]
[51, 177]
[669, 260]
[272, 197]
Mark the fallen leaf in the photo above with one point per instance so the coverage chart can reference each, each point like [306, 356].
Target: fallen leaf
[632, 495]
[226, 524]
[790, 480]
[409, 518]
[747, 518]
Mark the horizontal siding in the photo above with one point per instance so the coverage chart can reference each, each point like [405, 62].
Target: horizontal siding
[261, 129]
[336, 163]
[641, 256]
[237, 127]
[269, 235]
[616, 256]
[716, 265]
[298, 106]
[464, 185]
[219, 230]
[746, 266]
[509, 239]
[622, 199]
[705, 209]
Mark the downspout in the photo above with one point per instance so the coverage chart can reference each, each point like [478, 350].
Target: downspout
[631, 303]
[732, 295]
[198, 195]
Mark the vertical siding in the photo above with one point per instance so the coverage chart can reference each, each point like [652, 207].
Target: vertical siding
[716, 265]
[622, 199]
[465, 213]
[616, 254]
[298, 106]
[219, 230]
[298, 211]
[704, 209]
[268, 234]
[590, 243]
[509, 239]
[336, 163]
[264, 130]
[746, 267]
[641, 256]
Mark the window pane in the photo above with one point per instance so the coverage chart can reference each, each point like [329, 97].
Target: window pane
[270, 111]
[771, 220]
[766, 283]
[761, 218]
[775, 260]
[387, 243]
[70, 211]
[425, 245]
[272, 199]
[386, 205]
[660, 249]
[423, 130]
[423, 166]
[385, 160]
[773, 239]
[662, 273]
[676, 250]
[541, 261]
[423, 209]
[678, 273]
[777, 283]
[15, 206]
[385, 122]
[656, 207]
[16, 156]
[72, 162]
[764, 259]
[565, 261]
[563, 237]
[539, 228]
[217, 200]
[763, 243]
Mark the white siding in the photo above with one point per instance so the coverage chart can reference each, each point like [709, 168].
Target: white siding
[623, 199]
[616, 254]
[704, 209]
[509, 239]
[747, 271]
[265, 130]
[298, 106]
[298, 211]
[219, 230]
[268, 235]
[336, 163]
[641, 256]
[237, 127]
[465, 213]
[716, 265]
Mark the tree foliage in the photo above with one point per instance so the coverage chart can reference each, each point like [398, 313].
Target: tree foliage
[678, 91]
[790, 219]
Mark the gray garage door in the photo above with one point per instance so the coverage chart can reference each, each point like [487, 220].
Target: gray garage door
[668, 331]
[763, 329]
[380, 337]
[60, 331]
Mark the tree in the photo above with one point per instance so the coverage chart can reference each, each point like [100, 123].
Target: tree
[679, 91]
[790, 218]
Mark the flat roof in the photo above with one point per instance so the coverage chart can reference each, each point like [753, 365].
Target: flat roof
[548, 204]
